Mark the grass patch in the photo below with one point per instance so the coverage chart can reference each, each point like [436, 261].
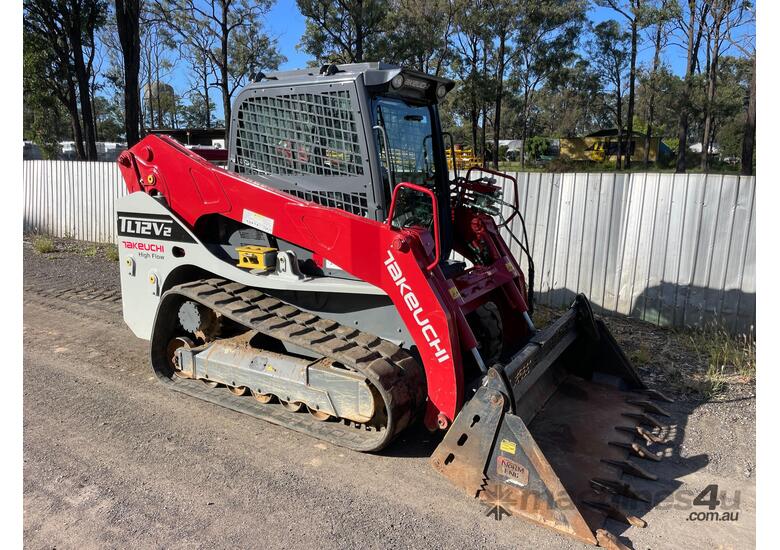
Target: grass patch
[112, 253]
[543, 316]
[91, 251]
[43, 244]
[721, 359]
[641, 355]
[724, 354]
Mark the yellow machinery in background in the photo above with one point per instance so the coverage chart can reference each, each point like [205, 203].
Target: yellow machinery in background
[464, 158]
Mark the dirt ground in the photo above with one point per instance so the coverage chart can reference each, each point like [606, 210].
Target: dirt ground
[112, 458]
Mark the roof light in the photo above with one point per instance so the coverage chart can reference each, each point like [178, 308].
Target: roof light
[397, 81]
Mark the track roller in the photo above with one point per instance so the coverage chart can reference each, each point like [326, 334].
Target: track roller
[263, 398]
[292, 406]
[319, 415]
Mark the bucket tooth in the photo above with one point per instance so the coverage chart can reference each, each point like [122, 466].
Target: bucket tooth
[609, 541]
[657, 396]
[612, 511]
[648, 436]
[648, 406]
[645, 419]
[637, 450]
[615, 487]
[630, 468]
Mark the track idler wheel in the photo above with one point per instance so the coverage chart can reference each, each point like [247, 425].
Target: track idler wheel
[173, 345]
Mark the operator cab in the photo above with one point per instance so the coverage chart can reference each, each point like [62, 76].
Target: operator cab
[345, 136]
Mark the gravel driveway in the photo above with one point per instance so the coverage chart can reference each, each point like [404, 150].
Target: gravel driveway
[112, 458]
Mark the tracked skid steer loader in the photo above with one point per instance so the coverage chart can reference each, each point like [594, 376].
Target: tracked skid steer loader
[336, 280]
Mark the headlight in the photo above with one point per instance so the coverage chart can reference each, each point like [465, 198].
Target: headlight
[397, 81]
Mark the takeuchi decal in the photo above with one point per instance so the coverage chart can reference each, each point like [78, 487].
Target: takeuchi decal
[413, 303]
[148, 247]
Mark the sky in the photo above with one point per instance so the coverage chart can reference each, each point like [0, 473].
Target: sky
[285, 22]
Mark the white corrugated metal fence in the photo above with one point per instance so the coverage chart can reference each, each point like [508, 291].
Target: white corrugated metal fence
[72, 199]
[673, 249]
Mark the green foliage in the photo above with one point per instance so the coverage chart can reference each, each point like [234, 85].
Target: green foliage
[162, 105]
[416, 34]
[729, 136]
[666, 90]
[727, 358]
[109, 118]
[345, 32]
[609, 51]
[196, 115]
[536, 147]
[112, 254]
[45, 121]
[570, 104]
[43, 244]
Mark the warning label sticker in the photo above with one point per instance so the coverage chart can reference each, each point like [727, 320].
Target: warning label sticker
[508, 446]
[258, 221]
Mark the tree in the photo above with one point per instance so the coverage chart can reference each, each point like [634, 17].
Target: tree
[128, 17]
[659, 18]
[44, 116]
[610, 52]
[201, 82]
[724, 15]
[164, 100]
[470, 43]
[546, 36]
[343, 31]
[503, 18]
[109, 118]
[156, 66]
[632, 11]
[418, 34]
[45, 33]
[239, 49]
[727, 110]
[80, 19]
[197, 114]
[749, 134]
[691, 24]
[569, 105]
[661, 90]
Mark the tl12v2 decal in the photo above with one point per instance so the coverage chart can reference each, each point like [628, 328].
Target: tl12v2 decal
[151, 226]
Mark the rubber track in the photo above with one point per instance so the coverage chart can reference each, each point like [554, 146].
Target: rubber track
[394, 373]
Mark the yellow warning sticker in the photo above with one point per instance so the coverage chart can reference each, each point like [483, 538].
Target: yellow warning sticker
[508, 446]
[454, 293]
